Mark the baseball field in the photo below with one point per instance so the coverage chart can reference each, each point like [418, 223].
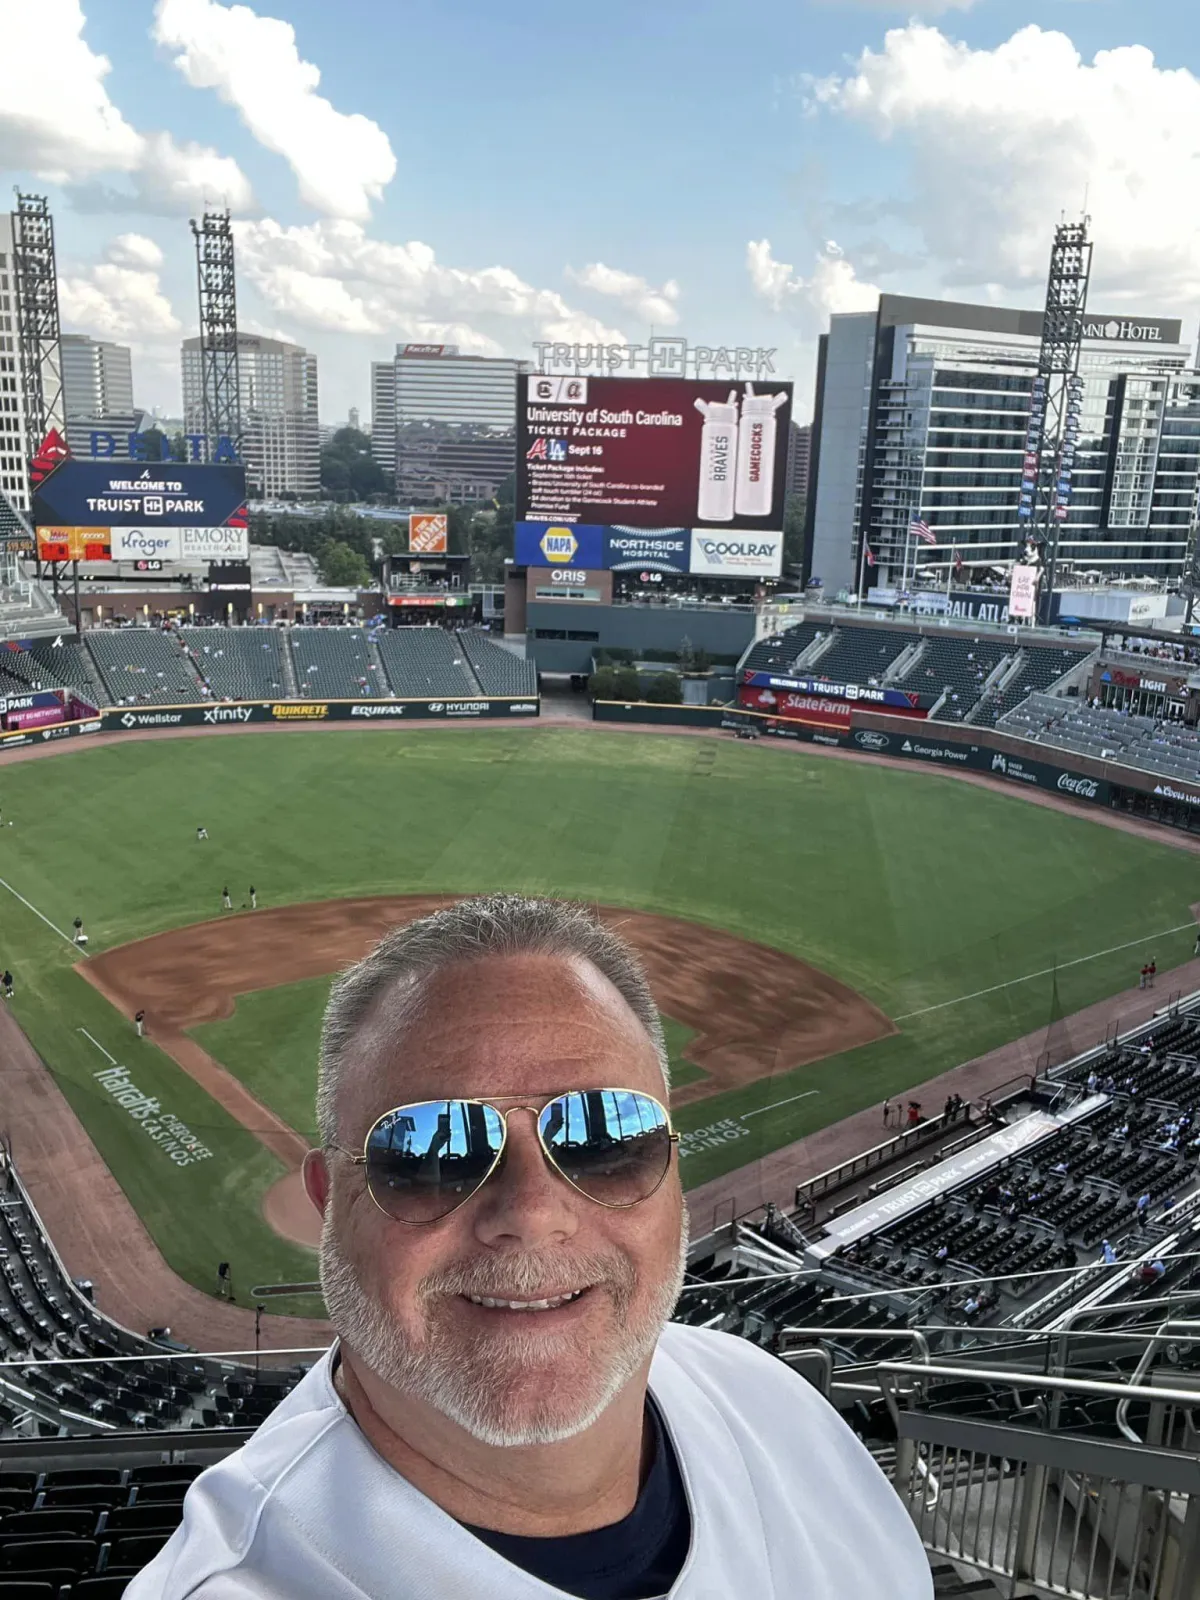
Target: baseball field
[820, 933]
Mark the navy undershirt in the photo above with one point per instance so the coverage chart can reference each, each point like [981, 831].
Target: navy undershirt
[635, 1559]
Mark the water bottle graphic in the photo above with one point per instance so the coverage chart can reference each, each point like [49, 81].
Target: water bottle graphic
[718, 459]
[755, 479]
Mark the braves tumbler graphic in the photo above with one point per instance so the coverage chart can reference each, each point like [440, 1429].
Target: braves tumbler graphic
[718, 458]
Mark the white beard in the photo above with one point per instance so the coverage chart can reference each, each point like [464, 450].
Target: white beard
[491, 1389]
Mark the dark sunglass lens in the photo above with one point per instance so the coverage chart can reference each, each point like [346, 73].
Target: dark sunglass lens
[424, 1160]
[613, 1144]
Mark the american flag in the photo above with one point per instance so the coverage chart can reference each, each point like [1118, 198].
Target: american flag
[870, 556]
[921, 530]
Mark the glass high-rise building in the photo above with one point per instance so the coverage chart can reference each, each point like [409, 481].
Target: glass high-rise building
[277, 382]
[921, 411]
[443, 423]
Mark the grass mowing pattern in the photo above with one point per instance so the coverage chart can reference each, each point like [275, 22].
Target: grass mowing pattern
[909, 886]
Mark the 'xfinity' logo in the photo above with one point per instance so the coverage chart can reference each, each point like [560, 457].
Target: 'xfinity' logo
[1085, 788]
[227, 714]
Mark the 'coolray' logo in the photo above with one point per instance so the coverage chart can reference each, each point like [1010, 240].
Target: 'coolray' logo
[228, 714]
[719, 549]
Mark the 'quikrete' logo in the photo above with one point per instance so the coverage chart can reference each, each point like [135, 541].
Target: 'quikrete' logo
[302, 711]
[559, 545]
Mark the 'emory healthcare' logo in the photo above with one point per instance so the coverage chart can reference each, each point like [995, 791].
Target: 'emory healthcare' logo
[301, 711]
[216, 714]
[559, 545]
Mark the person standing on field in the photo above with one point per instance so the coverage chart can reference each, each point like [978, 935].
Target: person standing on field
[226, 902]
[8, 984]
[139, 1022]
[253, 898]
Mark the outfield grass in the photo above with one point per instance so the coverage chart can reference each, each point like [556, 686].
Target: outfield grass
[269, 1043]
[911, 887]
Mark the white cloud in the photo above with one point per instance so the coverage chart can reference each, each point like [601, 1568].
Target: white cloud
[342, 161]
[58, 123]
[1002, 141]
[635, 294]
[833, 287]
[332, 276]
[120, 297]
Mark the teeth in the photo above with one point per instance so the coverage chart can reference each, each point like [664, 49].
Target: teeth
[523, 1305]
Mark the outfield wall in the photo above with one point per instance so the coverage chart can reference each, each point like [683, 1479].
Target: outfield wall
[959, 748]
[132, 719]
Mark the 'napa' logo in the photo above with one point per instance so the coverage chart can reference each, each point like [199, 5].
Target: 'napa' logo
[559, 545]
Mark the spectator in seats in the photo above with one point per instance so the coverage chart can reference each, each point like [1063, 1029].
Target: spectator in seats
[1093, 1082]
[1107, 1254]
[439, 1450]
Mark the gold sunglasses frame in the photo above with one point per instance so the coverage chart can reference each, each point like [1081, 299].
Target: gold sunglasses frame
[471, 1100]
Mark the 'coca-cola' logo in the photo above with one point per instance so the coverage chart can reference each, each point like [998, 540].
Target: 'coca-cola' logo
[1085, 788]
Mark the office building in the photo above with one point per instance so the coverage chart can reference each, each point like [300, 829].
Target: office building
[799, 448]
[444, 424]
[281, 443]
[14, 453]
[98, 393]
[921, 411]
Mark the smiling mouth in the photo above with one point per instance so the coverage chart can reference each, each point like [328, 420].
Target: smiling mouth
[493, 1303]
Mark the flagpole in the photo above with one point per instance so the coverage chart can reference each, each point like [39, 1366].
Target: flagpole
[862, 561]
[949, 570]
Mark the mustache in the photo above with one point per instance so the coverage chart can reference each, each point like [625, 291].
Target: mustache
[531, 1277]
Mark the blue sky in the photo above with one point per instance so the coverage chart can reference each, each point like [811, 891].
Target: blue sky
[496, 174]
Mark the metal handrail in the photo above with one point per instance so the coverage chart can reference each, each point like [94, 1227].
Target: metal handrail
[833, 1334]
[1172, 1324]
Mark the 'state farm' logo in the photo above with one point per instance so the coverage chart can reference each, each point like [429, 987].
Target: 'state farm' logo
[559, 545]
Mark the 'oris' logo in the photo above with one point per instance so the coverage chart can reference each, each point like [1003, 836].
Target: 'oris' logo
[1085, 788]
[872, 741]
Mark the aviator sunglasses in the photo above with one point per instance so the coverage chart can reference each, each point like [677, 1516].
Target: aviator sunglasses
[425, 1160]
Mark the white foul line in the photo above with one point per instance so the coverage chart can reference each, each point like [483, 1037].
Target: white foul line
[98, 1045]
[779, 1103]
[1045, 972]
[35, 911]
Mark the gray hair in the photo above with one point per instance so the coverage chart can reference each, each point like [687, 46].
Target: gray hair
[490, 925]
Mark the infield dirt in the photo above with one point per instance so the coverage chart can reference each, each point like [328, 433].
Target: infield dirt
[756, 1011]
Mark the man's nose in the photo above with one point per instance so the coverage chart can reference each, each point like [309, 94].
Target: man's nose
[525, 1201]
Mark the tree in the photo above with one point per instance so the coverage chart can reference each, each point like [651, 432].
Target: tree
[626, 684]
[794, 514]
[600, 684]
[348, 469]
[343, 567]
[664, 689]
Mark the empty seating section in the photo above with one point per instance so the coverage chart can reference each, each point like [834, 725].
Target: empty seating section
[141, 664]
[64, 663]
[1040, 666]
[237, 663]
[861, 655]
[1167, 748]
[498, 670]
[424, 662]
[958, 666]
[334, 664]
[778, 654]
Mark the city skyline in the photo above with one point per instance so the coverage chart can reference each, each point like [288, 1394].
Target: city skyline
[925, 148]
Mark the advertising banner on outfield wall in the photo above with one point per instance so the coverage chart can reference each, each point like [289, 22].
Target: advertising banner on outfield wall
[811, 708]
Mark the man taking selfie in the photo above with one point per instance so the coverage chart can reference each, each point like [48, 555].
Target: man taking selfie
[507, 1411]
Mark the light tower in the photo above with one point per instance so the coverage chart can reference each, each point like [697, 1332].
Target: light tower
[1056, 403]
[220, 391]
[39, 341]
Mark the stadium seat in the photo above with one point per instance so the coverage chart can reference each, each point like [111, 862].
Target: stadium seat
[49, 1555]
[88, 1476]
[80, 1524]
[166, 1472]
[26, 1589]
[132, 1553]
[103, 1586]
[169, 1489]
[152, 1517]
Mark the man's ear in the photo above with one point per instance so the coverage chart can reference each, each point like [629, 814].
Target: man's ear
[317, 1183]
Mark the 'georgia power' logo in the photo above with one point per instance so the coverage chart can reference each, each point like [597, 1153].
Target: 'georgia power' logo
[559, 545]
